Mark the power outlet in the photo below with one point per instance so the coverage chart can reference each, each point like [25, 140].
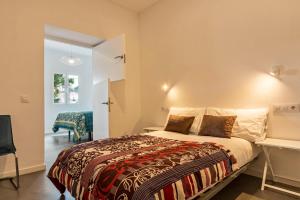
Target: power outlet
[286, 108]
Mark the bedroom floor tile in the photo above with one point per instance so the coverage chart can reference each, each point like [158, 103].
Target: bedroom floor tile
[36, 186]
[247, 187]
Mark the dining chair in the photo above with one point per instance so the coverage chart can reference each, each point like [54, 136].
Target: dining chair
[7, 145]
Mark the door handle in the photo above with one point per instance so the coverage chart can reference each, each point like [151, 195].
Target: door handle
[108, 103]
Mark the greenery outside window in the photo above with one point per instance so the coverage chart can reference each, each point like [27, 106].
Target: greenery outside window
[65, 91]
[73, 86]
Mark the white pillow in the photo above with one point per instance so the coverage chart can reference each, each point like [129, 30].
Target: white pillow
[250, 124]
[195, 112]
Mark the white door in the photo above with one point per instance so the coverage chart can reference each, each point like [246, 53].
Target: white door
[101, 109]
[108, 67]
[109, 60]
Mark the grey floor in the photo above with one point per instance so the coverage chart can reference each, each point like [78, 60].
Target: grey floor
[36, 186]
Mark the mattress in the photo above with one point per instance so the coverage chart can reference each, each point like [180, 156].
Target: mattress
[243, 150]
[161, 165]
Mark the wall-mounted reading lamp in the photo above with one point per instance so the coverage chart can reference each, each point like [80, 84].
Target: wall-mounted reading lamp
[276, 71]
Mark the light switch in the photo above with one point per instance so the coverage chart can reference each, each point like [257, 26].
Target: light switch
[24, 99]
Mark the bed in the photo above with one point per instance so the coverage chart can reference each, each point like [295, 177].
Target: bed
[163, 165]
[156, 165]
[79, 122]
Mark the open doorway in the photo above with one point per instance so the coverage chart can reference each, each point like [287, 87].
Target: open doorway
[79, 71]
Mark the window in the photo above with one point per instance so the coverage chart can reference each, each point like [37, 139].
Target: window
[73, 86]
[59, 92]
[65, 91]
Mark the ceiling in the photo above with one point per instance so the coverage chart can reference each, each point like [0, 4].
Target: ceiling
[135, 5]
[67, 48]
[71, 37]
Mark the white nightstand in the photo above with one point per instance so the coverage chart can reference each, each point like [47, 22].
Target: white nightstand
[281, 144]
[154, 128]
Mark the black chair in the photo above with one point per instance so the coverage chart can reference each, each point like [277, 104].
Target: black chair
[7, 144]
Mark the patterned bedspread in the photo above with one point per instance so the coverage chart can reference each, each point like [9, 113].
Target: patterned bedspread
[79, 122]
[140, 168]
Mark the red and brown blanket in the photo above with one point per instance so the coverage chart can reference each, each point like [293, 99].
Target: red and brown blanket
[140, 167]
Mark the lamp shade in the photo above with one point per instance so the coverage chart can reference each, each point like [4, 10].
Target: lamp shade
[71, 61]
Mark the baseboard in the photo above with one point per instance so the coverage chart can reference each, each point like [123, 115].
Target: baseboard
[57, 133]
[279, 179]
[23, 171]
[287, 181]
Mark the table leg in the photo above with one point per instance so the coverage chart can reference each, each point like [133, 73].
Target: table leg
[90, 136]
[267, 155]
[264, 176]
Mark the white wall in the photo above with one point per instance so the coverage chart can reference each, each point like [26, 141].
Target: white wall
[22, 65]
[54, 66]
[218, 53]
